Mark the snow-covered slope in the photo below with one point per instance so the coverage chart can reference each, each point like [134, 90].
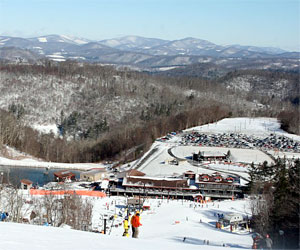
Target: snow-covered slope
[158, 230]
[262, 126]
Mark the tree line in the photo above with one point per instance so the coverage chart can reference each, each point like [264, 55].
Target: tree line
[110, 145]
[275, 190]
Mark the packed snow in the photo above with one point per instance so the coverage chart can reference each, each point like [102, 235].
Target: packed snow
[239, 154]
[164, 226]
[254, 126]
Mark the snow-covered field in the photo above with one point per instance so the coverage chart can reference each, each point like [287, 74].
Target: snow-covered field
[164, 226]
[287, 155]
[251, 126]
[32, 163]
[14, 158]
[238, 154]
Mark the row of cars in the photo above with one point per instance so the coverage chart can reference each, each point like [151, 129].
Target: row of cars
[236, 140]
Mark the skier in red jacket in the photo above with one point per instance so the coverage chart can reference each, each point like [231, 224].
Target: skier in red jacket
[135, 223]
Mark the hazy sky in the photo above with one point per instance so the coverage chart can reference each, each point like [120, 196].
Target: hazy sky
[247, 22]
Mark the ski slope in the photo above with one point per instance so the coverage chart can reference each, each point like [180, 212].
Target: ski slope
[164, 227]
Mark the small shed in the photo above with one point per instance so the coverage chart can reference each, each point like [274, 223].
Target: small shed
[134, 201]
[94, 174]
[26, 184]
[232, 218]
[64, 175]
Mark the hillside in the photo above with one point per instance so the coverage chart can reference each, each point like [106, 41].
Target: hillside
[168, 235]
[104, 113]
[51, 93]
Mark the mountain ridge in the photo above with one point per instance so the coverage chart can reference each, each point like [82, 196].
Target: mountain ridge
[137, 51]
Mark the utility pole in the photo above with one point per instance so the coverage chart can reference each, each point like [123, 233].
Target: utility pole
[127, 205]
[144, 191]
[104, 226]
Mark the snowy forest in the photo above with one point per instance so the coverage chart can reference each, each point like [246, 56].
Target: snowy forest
[104, 113]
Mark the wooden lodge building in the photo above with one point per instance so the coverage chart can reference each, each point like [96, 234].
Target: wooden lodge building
[217, 185]
[211, 156]
[189, 186]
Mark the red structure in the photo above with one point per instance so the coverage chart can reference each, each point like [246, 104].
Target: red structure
[64, 175]
[67, 192]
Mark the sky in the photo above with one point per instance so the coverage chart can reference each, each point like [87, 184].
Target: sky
[271, 23]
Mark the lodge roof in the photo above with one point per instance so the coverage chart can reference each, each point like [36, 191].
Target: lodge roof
[64, 174]
[134, 172]
[212, 154]
[189, 172]
[154, 182]
[216, 178]
[27, 182]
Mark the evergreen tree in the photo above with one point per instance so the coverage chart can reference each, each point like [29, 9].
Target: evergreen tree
[276, 208]
[285, 212]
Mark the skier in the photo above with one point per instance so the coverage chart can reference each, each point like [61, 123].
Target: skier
[3, 216]
[126, 227]
[135, 223]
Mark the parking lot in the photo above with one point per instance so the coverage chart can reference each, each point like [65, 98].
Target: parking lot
[234, 140]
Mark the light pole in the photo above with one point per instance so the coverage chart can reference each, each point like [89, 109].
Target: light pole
[144, 192]
[281, 233]
[104, 218]
[127, 205]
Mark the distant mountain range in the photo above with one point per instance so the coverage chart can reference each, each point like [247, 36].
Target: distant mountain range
[131, 50]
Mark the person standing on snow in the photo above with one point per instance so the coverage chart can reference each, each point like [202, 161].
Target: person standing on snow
[135, 223]
[268, 242]
[126, 227]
